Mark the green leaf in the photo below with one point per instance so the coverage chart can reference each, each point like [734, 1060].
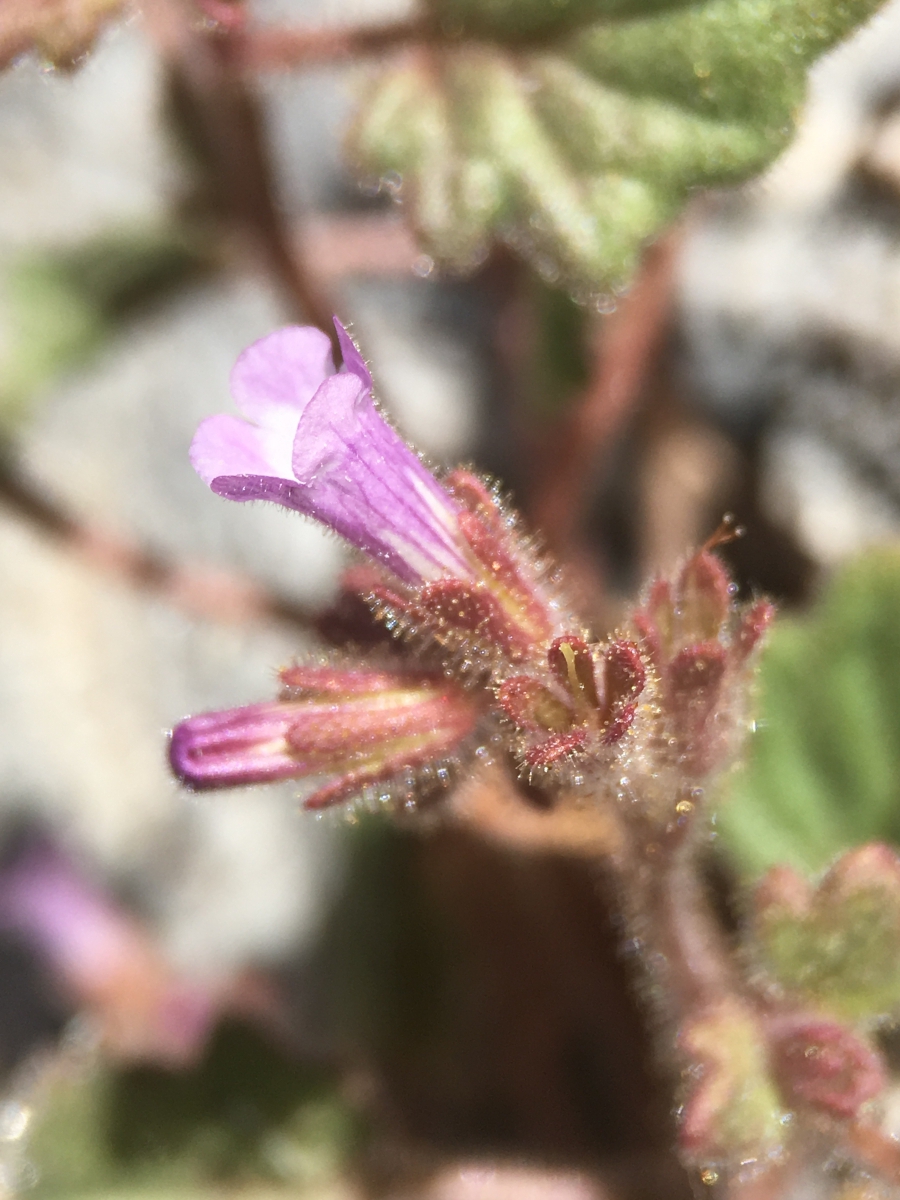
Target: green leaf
[520, 21]
[248, 1114]
[836, 948]
[824, 767]
[732, 1110]
[575, 144]
[60, 306]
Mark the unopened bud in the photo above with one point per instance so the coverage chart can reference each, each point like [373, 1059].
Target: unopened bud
[356, 727]
[704, 597]
[824, 1064]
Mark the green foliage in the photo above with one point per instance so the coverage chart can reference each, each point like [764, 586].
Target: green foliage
[572, 130]
[847, 963]
[518, 20]
[59, 306]
[732, 1109]
[246, 1116]
[824, 767]
[836, 948]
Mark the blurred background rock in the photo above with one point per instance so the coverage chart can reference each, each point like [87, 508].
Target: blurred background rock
[421, 995]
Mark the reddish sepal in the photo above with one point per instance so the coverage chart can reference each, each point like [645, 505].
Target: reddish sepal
[624, 677]
[659, 609]
[468, 609]
[753, 624]
[695, 676]
[353, 616]
[475, 496]
[531, 706]
[824, 1064]
[704, 596]
[307, 679]
[329, 734]
[487, 544]
[649, 637]
[557, 747]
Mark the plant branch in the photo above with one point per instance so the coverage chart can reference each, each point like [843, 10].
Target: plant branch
[279, 49]
[625, 353]
[202, 590]
[673, 917]
[226, 120]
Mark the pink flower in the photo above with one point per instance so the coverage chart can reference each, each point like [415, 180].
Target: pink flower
[313, 440]
[354, 725]
[104, 959]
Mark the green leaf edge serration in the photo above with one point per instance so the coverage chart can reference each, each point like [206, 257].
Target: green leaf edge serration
[823, 770]
[574, 131]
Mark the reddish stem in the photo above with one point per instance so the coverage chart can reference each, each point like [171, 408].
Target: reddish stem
[673, 917]
[227, 119]
[280, 49]
[202, 590]
[626, 352]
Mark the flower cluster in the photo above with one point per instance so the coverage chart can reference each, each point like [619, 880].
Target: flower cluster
[480, 651]
[500, 655]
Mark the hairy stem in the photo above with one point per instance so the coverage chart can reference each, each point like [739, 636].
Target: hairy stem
[282, 48]
[673, 918]
[201, 590]
[225, 118]
[626, 351]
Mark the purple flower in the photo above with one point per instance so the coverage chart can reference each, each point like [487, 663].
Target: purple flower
[313, 440]
[103, 958]
[235, 747]
[350, 726]
[73, 923]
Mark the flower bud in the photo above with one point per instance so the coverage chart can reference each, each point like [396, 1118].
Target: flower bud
[356, 727]
[824, 1064]
[566, 715]
[700, 645]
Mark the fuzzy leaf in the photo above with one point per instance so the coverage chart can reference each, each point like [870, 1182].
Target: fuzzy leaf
[582, 143]
[823, 767]
[527, 20]
[732, 1110]
[838, 948]
[58, 307]
[61, 31]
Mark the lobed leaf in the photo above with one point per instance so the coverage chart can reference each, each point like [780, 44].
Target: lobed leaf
[732, 1110]
[824, 767]
[572, 130]
[60, 31]
[839, 949]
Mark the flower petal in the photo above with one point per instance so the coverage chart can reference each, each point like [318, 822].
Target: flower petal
[354, 363]
[315, 442]
[366, 483]
[234, 747]
[227, 445]
[275, 378]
